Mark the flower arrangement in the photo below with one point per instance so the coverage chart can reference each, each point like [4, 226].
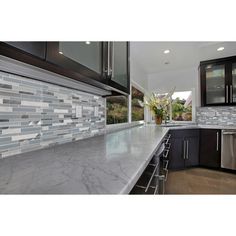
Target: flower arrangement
[158, 104]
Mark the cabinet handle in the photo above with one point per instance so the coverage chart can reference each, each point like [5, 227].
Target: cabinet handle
[112, 60]
[217, 141]
[227, 93]
[187, 141]
[108, 59]
[231, 93]
[184, 150]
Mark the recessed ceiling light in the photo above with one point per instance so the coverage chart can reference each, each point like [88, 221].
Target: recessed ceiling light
[220, 49]
[61, 52]
[88, 42]
[167, 63]
[167, 51]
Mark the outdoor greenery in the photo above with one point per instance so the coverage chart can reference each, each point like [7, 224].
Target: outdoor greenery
[137, 108]
[180, 111]
[117, 109]
[160, 105]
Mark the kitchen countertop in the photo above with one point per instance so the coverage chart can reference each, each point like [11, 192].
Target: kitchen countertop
[106, 164]
[196, 126]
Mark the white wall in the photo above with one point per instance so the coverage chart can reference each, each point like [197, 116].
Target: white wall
[137, 74]
[183, 80]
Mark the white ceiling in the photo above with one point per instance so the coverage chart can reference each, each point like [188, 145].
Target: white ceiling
[150, 56]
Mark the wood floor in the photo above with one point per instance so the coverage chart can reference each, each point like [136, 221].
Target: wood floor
[200, 181]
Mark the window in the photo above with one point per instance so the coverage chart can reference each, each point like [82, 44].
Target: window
[181, 106]
[117, 109]
[136, 108]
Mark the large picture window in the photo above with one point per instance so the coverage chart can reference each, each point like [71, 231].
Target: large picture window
[137, 109]
[117, 109]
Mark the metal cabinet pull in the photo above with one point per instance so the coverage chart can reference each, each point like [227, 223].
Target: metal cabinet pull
[112, 59]
[227, 93]
[184, 150]
[108, 59]
[217, 141]
[167, 146]
[187, 142]
[150, 180]
[231, 93]
[166, 152]
[166, 164]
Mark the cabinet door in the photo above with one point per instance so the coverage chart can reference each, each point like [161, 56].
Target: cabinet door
[214, 84]
[120, 66]
[210, 148]
[37, 49]
[192, 151]
[176, 155]
[233, 85]
[81, 58]
[87, 53]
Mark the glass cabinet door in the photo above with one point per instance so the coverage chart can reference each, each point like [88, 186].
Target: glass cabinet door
[233, 86]
[120, 63]
[86, 53]
[215, 84]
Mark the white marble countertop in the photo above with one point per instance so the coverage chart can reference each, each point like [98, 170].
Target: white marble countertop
[198, 126]
[106, 164]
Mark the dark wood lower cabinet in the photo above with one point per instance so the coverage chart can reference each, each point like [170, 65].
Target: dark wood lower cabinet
[184, 149]
[210, 148]
[192, 157]
[176, 153]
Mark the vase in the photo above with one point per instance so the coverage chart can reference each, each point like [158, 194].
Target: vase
[158, 120]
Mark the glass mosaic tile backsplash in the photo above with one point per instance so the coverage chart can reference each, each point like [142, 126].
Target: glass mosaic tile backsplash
[216, 116]
[35, 114]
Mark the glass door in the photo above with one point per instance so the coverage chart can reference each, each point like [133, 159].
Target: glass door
[120, 66]
[216, 88]
[87, 53]
[233, 85]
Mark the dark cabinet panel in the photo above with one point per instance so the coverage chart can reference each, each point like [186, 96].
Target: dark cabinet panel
[37, 49]
[105, 62]
[176, 155]
[192, 151]
[101, 64]
[210, 148]
[184, 148]
[119, 76]
[78, 58]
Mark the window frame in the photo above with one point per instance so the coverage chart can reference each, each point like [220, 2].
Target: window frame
[193, 109]
[130, 122]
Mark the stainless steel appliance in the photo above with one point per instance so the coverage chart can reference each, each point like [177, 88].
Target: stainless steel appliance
[228, 149]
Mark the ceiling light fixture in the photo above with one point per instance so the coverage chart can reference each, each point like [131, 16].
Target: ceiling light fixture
[167, 51]
[220, 49]
[88, 42]
[61, 52]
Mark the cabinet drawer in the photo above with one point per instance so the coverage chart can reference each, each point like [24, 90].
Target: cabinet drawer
[184, 133]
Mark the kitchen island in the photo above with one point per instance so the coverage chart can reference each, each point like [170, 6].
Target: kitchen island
[106, 164]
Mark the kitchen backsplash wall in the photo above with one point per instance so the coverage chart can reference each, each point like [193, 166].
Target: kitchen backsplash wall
[35, 114]
[216, 115]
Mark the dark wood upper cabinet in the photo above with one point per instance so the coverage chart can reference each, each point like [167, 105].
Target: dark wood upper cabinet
[106, 62]
[218, 82]
[37, 49]
[83, 58]
[210, 148]
[119, 66]
[101, 64]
